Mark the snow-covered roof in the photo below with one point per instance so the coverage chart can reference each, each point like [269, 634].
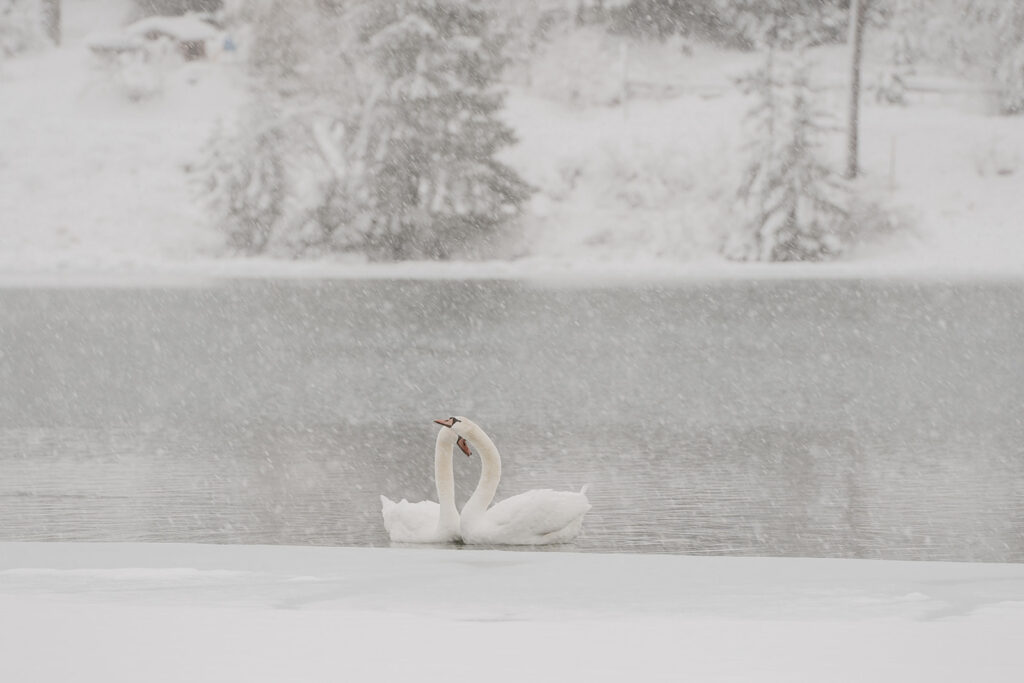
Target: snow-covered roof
[186, 29]
[112, 41]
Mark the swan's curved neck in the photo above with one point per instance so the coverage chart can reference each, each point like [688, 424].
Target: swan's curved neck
[490, 475]
[444, 478]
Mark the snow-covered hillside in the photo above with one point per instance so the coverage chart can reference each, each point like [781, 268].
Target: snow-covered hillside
[92, 181]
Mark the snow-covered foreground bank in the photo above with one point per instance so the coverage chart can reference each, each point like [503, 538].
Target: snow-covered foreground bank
[107, 612]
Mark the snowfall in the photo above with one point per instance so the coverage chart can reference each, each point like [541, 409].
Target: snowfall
[97, 188]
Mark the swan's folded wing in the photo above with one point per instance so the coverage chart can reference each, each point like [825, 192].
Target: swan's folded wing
[410, 522]
[536, 514]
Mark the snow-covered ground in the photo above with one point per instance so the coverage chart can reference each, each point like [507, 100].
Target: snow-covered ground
[653, 181]
[91, 182]
[112, 612]
[90, 179]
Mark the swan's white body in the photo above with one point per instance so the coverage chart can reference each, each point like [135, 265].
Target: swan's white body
[537, 517]
[427, 521]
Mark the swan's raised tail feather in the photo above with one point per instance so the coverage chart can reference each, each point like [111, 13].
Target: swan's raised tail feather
[583, 491]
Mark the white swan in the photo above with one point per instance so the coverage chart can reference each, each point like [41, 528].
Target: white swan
[426, 521]
[537, 517]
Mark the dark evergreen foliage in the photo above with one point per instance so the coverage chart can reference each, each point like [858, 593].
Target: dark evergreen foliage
[733, 23]
[176, 7]
[659, 19]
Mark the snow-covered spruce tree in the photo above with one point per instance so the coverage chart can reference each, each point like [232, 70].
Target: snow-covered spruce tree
[794, 202]
[989, 34]
[243, 178]
[21, 26]
[426, 164]
[527, 26]
[903, 37]
[1008, 21]
[976, 37]
[258, 172]
[781, 23]
[372, 128]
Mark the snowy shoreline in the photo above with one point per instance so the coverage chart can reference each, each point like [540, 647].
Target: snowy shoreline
[212, 271]
[202, 612]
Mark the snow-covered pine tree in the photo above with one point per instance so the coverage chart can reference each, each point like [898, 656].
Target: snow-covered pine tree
[271, 179]
[243, 175]
[1008, 20]
[243, 178]
[21, 26]
[904, 31]
[988, 36]
[903, 37]
[427, 165]
[976, 37]
[372, 127]
[782, 24]
[795, 202]
[526, 26]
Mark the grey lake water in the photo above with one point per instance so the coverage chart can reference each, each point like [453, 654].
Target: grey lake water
[847, 418]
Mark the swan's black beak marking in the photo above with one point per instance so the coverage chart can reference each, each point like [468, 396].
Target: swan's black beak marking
[461, 443]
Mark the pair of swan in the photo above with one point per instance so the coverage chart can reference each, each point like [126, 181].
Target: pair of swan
[537, 517]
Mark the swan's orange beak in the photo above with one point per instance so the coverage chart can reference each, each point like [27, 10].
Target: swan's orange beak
[461, 443]
[450, 422]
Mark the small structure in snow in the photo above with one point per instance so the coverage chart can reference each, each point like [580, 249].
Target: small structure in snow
[111, 45]
[189, 32]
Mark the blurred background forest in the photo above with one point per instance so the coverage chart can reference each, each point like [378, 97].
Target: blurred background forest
[678, 130]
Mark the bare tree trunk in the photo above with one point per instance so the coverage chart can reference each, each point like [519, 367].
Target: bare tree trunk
[51, 19]
[857, 13]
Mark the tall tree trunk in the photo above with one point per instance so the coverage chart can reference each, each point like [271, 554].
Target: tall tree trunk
[857, 13]
[51, 19]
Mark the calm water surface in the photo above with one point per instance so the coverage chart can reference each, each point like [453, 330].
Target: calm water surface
[835, 419]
